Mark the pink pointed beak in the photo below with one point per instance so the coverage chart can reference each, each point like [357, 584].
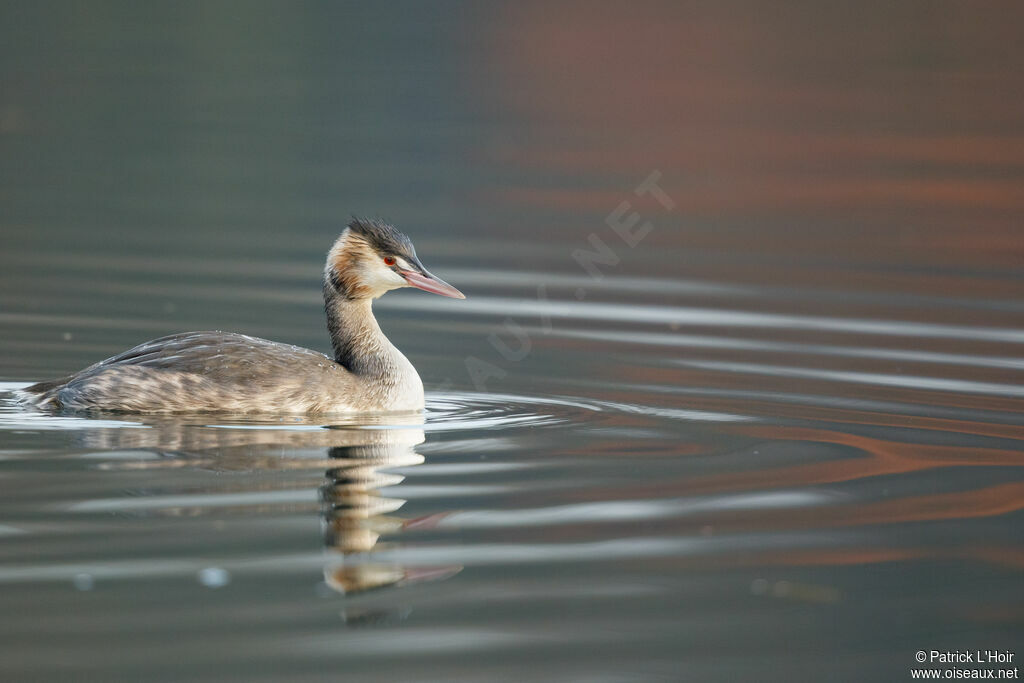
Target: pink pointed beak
[429, 283]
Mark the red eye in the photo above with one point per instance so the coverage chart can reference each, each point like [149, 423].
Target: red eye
[389, 260]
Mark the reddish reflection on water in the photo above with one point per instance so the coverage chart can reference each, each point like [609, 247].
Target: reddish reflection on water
[894, 127]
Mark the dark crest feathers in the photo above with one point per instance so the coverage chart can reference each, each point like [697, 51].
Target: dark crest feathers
[384, 238]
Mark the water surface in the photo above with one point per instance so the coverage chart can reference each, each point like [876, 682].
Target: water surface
[775, 436]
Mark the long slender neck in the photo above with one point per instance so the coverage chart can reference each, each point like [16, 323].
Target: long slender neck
[359, 344]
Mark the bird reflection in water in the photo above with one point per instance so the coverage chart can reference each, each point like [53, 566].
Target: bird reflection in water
[357, 515]
[359, 457]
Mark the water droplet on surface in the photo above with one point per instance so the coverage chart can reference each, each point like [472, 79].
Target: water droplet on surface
[214, 577]
[83, 581]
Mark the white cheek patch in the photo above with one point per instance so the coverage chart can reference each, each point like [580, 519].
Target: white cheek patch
[403, 264]
[380, 278]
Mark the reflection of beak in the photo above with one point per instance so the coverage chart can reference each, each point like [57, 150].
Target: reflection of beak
[418, 574]
[430, 283]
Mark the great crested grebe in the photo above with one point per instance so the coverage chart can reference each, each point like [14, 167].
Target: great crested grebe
[227, 372]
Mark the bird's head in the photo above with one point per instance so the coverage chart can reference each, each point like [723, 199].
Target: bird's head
[372, 257]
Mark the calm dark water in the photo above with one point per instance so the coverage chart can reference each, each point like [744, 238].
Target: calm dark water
[772, 431]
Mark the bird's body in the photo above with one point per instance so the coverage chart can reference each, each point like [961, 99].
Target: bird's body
[227, 372]
[235, 373]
